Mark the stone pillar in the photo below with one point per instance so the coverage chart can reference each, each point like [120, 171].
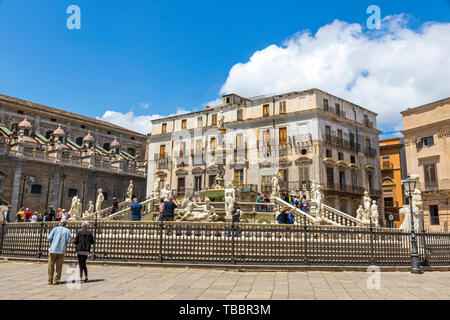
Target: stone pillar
[54, 189]
[16, 191]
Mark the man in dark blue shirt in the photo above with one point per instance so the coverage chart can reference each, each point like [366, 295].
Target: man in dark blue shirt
[169, 209]
[136, 208]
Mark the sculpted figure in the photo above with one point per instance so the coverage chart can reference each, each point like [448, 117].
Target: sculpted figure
[374, 212]
[79, 208]
[91, 207]
[156, 187]
[318, 197]
[275, 185]
[230, 197]
[165, 193]
[206, 212]
[367, 201]
[100, 199]
[73, 208]
[129, 192]
[360, 213]
[417, 205]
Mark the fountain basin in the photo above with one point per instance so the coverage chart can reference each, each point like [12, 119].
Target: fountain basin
[215, 195]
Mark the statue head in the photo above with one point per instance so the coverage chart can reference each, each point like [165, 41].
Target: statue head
[366, 193]
[100, 191]
[131, 181]
[166, 185]
[207, 201]
[374, 202]
[360, 206]
[91, 202]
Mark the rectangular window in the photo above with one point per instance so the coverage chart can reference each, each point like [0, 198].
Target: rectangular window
[425, 142]
[283, 136]
[303, 175]
[367, 144]
[329, 153]
[266, 137]
[164, 128]
[182, 148]
[197, 183]
[162, 151]
[199, 121]
[282, 107]
[339, 133]
[370, 181]
[434, 215]
[352, 159]
[338, 109]
[325, 104]
[239, 177]
[240, 140]
[330, 178]
[183, 124]
[266, 110]
[430, 176]
[212, 143]
[342, 180]
[354, 179]
[327, 132]
[340, 156]
[214, 119]
[212, 180]
[240, 114]
[198, 146]
[180, 188]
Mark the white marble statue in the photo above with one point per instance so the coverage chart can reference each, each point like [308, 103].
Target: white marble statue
[156, 187]
[360, 213]
[374, 212]
[73, 212]
[91, 207]
[129, 192]
[318, 198]
[100, 199]
[417, 205]
[276, 185]
[206, 212]
[367, 203]
[79, 207]
[165, 192]
[229, 200]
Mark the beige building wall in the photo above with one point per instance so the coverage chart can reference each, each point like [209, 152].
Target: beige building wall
[427, 131]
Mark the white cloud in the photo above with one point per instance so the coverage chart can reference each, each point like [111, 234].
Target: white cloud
[384, 70]
[129, 120]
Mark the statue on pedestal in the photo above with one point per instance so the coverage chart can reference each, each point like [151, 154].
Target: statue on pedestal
[276, 185]
[91, 207]
[317, 198]
[360, 213]
[129, 192]
[374, 213]
[207, 212]
[220, 120]
[417, 205]
[367, 203]
[100, 199]
[230, 197]
[156, 187]
[73, 212]
[165, 192]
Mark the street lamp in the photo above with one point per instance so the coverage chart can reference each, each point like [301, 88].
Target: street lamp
[410, 186]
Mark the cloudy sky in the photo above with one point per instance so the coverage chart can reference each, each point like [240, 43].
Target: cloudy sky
[134, 61]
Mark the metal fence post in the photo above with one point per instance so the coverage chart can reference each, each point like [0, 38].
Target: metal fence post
[372, 260]
[41, 233]
[233, 261]
[306, 241]
[425, 262]
[2, 235]
[161, 225]
[95, 238]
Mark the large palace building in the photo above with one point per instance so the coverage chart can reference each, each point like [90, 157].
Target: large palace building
[303, 136]
[48, 155]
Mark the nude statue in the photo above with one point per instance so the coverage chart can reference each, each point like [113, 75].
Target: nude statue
[100, 199]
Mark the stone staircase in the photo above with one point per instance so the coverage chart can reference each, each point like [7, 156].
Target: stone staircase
[327, 216]
[104, 212]
[124, 214]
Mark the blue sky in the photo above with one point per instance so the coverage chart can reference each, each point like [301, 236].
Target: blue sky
[154, 57]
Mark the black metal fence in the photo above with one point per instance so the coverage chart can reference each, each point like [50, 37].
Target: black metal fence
[225, 243]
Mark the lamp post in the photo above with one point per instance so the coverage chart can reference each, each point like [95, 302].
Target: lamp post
[410, 186]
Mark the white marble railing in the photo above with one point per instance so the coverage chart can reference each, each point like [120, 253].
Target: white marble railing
[336, 217]
[105, 212]
[125, 213]
[310, 220]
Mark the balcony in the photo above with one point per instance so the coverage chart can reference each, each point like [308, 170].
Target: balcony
[371, 152]
[338, 142]
[182, 161]
[283, 150]
[431, 185]
[337, 112]
[368, 123]
[162, 160]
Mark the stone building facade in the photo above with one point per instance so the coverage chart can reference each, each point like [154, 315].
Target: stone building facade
[302, 136]
[393, 170]
[48, 155]
[427, 141]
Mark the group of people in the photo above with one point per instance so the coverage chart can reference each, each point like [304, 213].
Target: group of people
[25, 215]
[300, 203]
[263, 198]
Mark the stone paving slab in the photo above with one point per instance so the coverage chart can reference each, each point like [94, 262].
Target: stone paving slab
[28, 280]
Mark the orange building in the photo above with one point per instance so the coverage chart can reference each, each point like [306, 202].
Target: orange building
[393, 170]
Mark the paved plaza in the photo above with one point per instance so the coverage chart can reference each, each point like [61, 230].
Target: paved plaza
[28, 280]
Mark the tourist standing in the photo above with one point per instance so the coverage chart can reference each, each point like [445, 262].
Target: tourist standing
[58, 215]
[304, 203]
[19, 215]
[267, 200]
[258, 200]
[50, 214]
[83, 241]
[34, 217]
[59, 238]
[27, 215]
[136, 208]
[282, 218]
[235, 218]
[6, 214]
[161, 210]
[169, 209]
[64, 215]
[115, 206]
